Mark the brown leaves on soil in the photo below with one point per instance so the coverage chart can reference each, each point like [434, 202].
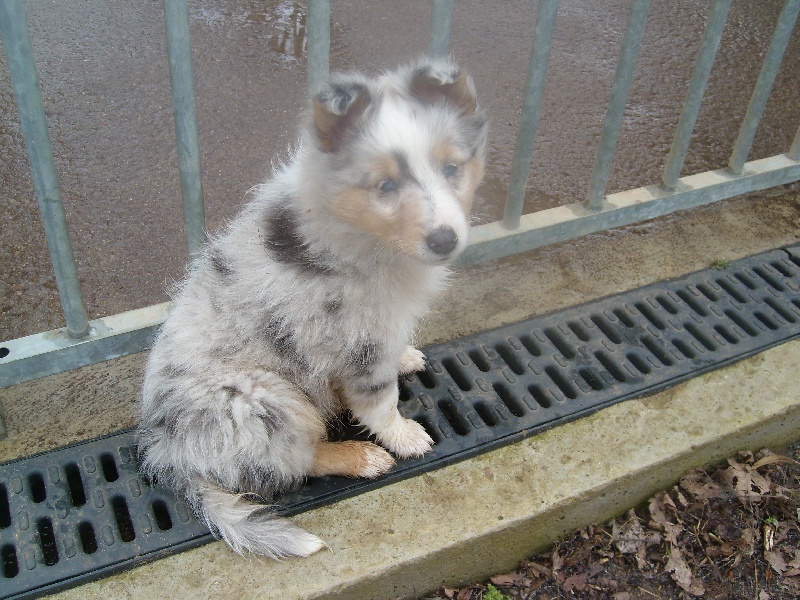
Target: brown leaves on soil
[731, 533]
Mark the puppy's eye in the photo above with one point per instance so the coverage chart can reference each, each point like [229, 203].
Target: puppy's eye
[387, 186]
[450, 170]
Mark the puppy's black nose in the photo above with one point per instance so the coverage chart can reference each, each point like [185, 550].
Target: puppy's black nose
[442, 240]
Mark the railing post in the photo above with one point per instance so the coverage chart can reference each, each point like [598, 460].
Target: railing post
[441, 25]
[763, 87]
[616, 106]
[529, 119]
[319, 43]
[184, 110]
[794, 149]
[697, 88]
[22, 69]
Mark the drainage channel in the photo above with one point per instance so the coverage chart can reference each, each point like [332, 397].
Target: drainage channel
[82, 512]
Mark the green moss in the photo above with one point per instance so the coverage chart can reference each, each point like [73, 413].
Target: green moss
[492, 593]
[720, 264]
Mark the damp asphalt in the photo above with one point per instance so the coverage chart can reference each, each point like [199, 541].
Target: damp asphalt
[104, 79]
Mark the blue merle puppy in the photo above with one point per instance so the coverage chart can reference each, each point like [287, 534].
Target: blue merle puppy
[304, 306]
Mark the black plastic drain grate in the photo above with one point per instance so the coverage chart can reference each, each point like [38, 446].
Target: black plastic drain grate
[82, 512]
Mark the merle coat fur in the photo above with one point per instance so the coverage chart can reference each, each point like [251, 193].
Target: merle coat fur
[304, 306]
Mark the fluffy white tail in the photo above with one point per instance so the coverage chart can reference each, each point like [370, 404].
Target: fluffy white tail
[250, 527]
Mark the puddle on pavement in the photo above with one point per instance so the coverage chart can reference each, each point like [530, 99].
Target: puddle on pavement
[282, 24]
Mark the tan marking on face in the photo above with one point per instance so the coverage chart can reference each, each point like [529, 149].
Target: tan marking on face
[446, 153]
[387, 168]
[394, 220]
[472, 172]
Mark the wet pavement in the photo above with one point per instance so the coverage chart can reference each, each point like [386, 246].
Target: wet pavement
[103, 70]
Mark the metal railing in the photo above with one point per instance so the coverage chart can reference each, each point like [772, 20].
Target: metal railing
[85, 342]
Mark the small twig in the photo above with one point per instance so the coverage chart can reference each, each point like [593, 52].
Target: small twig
[755, 582]
[646, 591]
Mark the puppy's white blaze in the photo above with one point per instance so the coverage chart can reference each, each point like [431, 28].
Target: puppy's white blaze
[448, 212]
[413, 135]
[397, 122]
[445, 212]
[245, 528]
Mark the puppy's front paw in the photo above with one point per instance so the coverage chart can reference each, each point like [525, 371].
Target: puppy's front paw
[411, 361]
[376, 461]
[406, 439]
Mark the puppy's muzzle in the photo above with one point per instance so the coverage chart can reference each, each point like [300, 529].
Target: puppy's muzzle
[442, 240]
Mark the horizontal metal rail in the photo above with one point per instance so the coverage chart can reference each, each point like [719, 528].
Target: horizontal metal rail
[492, 241]
[51, 352]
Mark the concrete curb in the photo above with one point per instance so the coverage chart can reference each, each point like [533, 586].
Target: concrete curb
[482, 516]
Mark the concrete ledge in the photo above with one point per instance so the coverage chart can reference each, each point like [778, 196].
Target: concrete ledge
[482, 516]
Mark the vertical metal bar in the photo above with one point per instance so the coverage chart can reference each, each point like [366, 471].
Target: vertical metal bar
[616, 106]
[794, 150]
[441, 25]
[697, 88]
[763, 87]
[319, 43]
[529, 119]
[184, 110]
[25, 81]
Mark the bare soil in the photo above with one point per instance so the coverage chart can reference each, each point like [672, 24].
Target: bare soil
[731, 532]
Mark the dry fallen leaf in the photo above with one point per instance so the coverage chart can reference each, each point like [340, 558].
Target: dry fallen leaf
[795, 562]
[558, 560]
[682, 574]
[577, 582]
[465, 594]
[774, 459]
[659, 505]
[536, 570]
[631, 536]
[748, 484]
[508, 579]
[700, 485]
[776, 561]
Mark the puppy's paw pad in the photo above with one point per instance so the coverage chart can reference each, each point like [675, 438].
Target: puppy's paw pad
[408, 439]
[411, 361]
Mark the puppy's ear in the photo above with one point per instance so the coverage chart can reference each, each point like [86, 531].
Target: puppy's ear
[432, 82]
[337, 108]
